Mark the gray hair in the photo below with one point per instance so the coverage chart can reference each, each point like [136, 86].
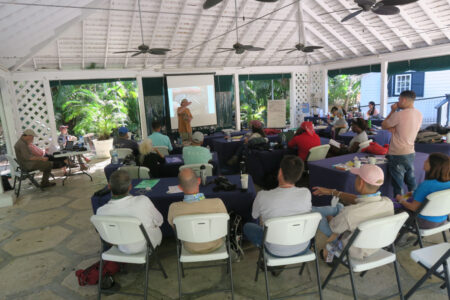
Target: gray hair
[120, 182]
[187, 179]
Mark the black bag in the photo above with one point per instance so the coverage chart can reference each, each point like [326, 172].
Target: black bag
[5, 183]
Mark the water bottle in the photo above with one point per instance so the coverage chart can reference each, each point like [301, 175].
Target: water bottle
[115, 157]
[242, 167]
[203, 174]
[283, 140]
[81, 141]
[369, 123]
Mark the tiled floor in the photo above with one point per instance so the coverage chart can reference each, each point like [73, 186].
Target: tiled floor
[47, 235]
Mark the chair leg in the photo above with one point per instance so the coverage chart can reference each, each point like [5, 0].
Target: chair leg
[362, 274]
[302, 269]
[319, 286]
[333, 270]
[418, 234]
[447, 278]
[147, 263]
[100, 279]
[397, 276]
[179, 277]
[182, 269]
[160, 264]
[231, 275]
[15, 179]
[257, 265]
[444, 236]
[421, 281]
[267, 280]
[33, 181]
[20, 185]
[352, 280]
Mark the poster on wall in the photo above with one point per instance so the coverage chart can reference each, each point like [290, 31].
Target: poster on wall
[276, 114]
[305, 108]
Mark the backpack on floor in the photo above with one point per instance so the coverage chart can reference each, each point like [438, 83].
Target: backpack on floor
[89, 276]
[236, 236]
[428, 137]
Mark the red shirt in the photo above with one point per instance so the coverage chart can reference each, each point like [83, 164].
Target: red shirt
[304, 142]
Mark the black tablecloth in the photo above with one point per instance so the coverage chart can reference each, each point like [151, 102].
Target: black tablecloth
[237, 201]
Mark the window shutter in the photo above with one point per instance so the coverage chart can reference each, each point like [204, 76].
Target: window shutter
[390, 85]
[417, 83]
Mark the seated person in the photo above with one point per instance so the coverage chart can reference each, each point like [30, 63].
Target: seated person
[63, 138]
[333, 113]
[372, 113]
[341, 125]
[305, 138]
[195, 153]
[30, 162]
[367, 205]
[252, 139]
[123, 141]
[437, 178]
[195, 203]
[151, 158]
[285, 200]
[359, 127]
[58, 163]
[158, 138]
[141, 207]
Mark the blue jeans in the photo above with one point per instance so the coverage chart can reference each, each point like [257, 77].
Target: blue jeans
[255, 233]
[401, 168]
[326, 211]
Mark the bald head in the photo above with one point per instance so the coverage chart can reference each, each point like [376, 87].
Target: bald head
[188, 181]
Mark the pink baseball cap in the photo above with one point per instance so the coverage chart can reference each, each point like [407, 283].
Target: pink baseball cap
[371, 174]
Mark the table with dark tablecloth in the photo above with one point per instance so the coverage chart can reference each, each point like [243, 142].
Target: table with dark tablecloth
[170, 168]
[430, 148]
[226, 149]
[381, 137]
[237, 200]
[322, 173]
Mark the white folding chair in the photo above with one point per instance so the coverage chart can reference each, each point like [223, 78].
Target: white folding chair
[117, 230]
[164, 150]
[436, 260]
[373, 234]
[287, 231]
[121, 152]
[435, 204]
[318, 153]
[20, 174]
[196, 168]
[364, 145]
[202, 228]
[137, 172]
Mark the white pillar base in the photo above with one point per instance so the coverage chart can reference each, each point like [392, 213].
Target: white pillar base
[7, 199]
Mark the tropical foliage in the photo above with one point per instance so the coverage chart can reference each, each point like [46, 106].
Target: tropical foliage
[255, 93]
[97, 108]
[344, 90]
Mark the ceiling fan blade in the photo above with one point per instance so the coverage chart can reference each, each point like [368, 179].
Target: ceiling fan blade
[352, 15]
[287, 49]
[225, 51]
[386, 10]
[251, 48]
[161, 49]
[332, 12]
[293, 50]
[397, 2]
[136, 54]
[312, 48]
[125, 51]
[210, 3]
[154, 52]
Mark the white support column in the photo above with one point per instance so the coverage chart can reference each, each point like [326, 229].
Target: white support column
[237, 101]
[325, 90]
[142, 116]
[292, 101]
[50, 111]
[383, 88]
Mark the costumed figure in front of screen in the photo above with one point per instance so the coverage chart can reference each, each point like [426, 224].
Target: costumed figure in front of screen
[184, 121]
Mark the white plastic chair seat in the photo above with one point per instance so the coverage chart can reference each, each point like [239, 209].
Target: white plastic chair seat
[121, 152]
[364, 144]
[114, 254]
[318, 153]
[187, 256]
[164, 150]
[272, 261]
[429, 256]
[427, 232]
[378, 259]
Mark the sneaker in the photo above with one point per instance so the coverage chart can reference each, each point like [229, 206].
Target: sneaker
[47, 184]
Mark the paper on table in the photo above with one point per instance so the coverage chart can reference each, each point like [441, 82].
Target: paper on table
[174, 189]
[334, 143]
[148, 183]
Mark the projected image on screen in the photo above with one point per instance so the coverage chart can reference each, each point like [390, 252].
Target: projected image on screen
[198, 89]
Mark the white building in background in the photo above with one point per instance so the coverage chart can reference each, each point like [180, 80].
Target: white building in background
[430, 87]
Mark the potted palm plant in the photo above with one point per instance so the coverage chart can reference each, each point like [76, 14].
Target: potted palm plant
[99, 112]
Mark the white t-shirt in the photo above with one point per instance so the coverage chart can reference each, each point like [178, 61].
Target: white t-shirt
[282, 202]
[359, 138]
[141, 208]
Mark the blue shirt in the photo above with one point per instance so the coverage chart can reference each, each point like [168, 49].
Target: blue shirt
[196, 155]
[159, 139]
[424, 189]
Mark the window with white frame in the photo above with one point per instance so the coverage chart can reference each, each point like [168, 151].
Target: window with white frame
[402, 83]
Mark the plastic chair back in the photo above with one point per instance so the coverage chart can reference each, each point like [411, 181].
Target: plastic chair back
[292, 230]
[164, 150]
[136, 172]
[196, 169]
[13, 165]
[379, 233]
[318, 152]
[438, 204]
[118, 230]
[201, 228]
[364, 145]
[121, 152]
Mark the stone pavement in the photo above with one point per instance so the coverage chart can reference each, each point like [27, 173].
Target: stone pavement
[47, 235]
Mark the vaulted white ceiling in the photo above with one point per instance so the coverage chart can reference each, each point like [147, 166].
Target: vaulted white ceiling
[80, 34]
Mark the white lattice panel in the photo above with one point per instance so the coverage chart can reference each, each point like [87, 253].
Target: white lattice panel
[316, 88]
[32, 110]
[301, 95]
